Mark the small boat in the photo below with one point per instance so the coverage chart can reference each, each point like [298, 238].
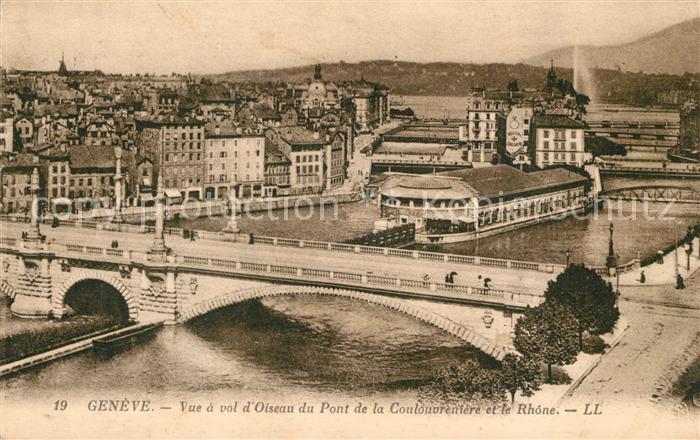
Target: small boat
[125, 338]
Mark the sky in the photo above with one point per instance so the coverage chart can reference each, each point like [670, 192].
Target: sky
[220, 36]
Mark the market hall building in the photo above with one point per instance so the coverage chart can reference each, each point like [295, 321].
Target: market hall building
[474, 203]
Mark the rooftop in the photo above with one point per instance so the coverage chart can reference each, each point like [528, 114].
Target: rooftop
[557, 121]
[500, 180]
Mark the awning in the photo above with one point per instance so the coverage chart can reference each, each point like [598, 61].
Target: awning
[172, 193]
[146, 197]
[62, 201]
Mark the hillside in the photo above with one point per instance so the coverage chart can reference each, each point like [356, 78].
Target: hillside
[406, 78]
[674, 50]
[457, 79]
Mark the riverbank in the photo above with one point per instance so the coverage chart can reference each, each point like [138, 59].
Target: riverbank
[23, 344]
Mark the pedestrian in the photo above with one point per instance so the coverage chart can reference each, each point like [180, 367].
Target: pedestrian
[487, 282]
[447, 278]
[191, 234]
[116, 244]
[679, 282]
[251, 239]
[642, 278]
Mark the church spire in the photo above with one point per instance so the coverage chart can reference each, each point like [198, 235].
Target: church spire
[62, 70]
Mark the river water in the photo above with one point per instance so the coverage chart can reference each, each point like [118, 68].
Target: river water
[280, 346]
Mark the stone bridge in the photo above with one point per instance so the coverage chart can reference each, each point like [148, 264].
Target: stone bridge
[40, 278]
[175, 284]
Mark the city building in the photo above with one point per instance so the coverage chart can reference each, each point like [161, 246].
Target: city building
[16, 178]
[7, 132]
[83, 176]
[481, 132]
[474, 203]
[518, 129]
[277, 171]
[176, 147]
[317, 159]
[557, 140]
[234, 161]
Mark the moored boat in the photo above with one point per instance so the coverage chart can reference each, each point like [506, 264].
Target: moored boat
[125, 338]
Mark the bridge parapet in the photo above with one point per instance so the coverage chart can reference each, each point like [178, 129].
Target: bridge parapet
[155, 283]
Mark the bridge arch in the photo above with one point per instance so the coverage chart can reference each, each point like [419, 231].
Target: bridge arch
[59, 297]
[466, 334]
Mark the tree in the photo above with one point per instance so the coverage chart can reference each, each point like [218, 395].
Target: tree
[547, 333]
[519, 373]
[513, 85]
[590, 298]
[465, 381]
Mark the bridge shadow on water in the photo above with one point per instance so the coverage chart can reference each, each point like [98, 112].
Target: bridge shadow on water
[332, 343]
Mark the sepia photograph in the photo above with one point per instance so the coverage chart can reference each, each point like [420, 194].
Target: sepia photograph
[349, 219]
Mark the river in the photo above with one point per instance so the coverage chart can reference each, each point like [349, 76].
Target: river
[585, 238]
[289, 346]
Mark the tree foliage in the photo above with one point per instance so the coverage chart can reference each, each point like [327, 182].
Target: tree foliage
[465, 381]
[590, 298]
[519, 373]
[547, 334]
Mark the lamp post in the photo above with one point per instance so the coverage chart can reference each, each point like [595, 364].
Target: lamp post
[675, 250]
[118, 185]
[568, 257]
[611, 260]
[688, 250]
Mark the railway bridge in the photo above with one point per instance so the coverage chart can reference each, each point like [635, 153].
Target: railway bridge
[667, 194]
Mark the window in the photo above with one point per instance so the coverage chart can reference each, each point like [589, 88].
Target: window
[546, 145]
[55, 169]
[72, 182]
[546, 156]
[223, 166]
[526, 121]
[54, 180]
[211, 167]
[573, 134]
[89, 182]
[546, 134]
[80, 182]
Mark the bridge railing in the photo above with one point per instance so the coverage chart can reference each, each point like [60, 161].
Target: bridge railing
[346, 248]
[301, 273]
[412, 254]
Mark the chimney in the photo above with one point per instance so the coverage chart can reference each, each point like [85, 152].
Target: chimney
[239, 130]
[217, 130]
[317, 135]
[35, 158]
[328, 138]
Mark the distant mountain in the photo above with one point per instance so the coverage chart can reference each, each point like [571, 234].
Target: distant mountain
[674, 50]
